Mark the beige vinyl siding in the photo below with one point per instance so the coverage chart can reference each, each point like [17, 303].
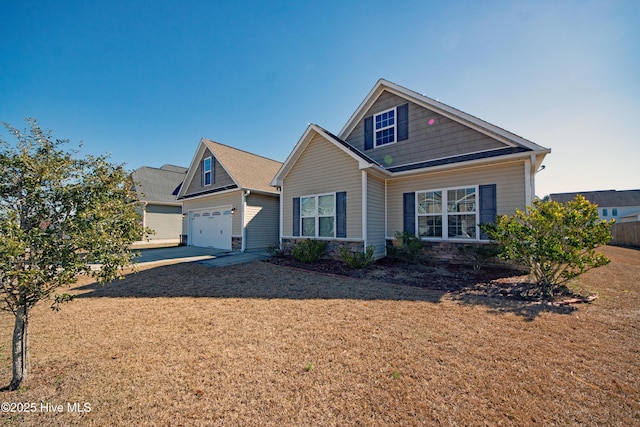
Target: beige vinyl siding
[233, 198]
[508, 177]
[262, 221]
[220, 177]
[375, 216]
[443, 138]
[324, 168]
[166, 221]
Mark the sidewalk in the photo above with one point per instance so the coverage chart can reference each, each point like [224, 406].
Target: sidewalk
[210, 257]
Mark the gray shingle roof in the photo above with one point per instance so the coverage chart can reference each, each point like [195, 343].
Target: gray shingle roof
[248, 170]
[606, 198]
[158, 184]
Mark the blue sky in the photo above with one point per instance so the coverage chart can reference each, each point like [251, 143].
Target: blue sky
[145, 80]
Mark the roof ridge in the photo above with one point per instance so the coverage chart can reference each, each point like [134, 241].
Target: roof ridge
[160, 169]
[240, 149]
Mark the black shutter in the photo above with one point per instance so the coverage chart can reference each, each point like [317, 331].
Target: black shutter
[368, 133]
[296, 216]
[409, 212]
[488, 206]
[403, 122]
[341, 214]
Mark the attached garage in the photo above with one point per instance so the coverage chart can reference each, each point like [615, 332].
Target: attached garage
[211, 228]
[227, 202]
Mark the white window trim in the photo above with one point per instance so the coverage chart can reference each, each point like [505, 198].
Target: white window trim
[445, 214]
[394, 126]
[204, 172]
[317, 217]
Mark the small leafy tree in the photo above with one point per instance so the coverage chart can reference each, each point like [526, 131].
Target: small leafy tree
[58, 215]
[555, 242]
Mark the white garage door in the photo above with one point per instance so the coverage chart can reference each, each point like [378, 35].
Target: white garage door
[211, 228]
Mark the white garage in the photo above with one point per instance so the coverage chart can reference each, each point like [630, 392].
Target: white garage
[211, 228]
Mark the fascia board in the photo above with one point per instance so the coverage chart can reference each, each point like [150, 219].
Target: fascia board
[306, 138]
[472, 163]
[192, 166]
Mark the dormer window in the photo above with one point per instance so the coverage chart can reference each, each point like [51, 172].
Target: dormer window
[206, 171]
[385, 127]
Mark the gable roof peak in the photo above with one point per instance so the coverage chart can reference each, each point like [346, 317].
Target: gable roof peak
[440, 108]
[239, 150]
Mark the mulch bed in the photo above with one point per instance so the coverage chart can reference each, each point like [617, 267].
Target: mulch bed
[457, 279]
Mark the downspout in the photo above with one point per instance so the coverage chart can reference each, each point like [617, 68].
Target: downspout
[281, 231]
[245, 194]
[534, 169]
[527, 183]
[364, 208]
[386, 231]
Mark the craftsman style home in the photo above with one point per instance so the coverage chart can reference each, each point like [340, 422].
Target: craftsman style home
[403, 162]
[227, 202]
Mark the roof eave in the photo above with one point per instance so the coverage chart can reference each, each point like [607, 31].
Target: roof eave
[473, 163]
[301, 145]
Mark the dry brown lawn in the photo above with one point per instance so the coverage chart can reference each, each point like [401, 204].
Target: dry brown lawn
[262, 344]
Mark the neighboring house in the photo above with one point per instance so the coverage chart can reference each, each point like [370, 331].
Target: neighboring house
[404, 162]
[227, 200]
[156, 193]
[622, 206]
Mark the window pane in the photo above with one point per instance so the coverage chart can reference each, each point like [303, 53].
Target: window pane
[461, 200]
[326, 205]
[430, 202]
[430, 226]
[422, 203]
[326, 226]
[462, 226]
[308, 206]
[385, 119]
[385, 136]
[207, 164]
[309, 227]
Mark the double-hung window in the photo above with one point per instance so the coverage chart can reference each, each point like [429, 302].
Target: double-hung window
[385, 127]
[448, 214]
[206, 171]
[317, 215]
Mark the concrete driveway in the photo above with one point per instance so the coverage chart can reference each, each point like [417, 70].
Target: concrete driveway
[210, 257]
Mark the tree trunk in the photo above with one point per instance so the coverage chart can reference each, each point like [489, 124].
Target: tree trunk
[19, 350]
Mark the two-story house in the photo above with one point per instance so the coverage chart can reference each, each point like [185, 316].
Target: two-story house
[403, 162]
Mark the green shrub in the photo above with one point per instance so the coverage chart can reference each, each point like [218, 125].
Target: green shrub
[357, 259]
[555, 242]
[309, 250]
[407, 247]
